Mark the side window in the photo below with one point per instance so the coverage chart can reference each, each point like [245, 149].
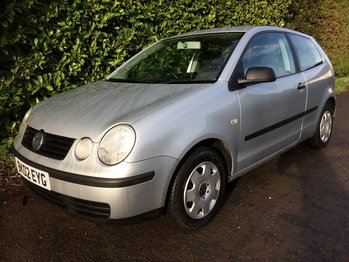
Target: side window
[271, 50]
[307, 53]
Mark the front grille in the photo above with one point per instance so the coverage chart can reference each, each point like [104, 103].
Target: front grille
[73, 205]
[54, 146]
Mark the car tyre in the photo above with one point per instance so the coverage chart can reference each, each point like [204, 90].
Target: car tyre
[324, 128]
[197, 192]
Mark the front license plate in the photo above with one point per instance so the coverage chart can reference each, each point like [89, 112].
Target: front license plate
[34, 175]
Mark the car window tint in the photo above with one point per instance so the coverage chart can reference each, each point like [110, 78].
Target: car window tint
[271, 50]
[307, 53]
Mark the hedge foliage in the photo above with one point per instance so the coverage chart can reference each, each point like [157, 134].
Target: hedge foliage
[47, 47]
[328, 22]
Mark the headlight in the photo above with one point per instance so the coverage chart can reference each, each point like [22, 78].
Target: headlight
[25, 118]
[24, 121]
[83, 148]
[116, 144]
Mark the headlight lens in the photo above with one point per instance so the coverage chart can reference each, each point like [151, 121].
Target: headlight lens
[24, 121]
[25, 118]
[116, 144]
[83, 148]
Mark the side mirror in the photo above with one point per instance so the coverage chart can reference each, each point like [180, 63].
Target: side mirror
[259, 74]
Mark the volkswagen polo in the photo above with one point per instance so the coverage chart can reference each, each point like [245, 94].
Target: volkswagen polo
[166, 131]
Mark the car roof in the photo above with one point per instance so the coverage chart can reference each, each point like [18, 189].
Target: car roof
[242, 29]
[238, 29]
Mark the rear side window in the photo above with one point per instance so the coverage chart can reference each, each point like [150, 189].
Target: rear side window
[307, 53]
[271, 50]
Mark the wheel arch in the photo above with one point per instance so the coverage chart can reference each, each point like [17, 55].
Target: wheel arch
[332, 102]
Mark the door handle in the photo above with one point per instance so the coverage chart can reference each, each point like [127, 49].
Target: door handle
[301, 86]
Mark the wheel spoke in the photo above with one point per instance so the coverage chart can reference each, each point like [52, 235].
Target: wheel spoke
[322, 132]
[196, 178]
[194, 210]
[214, 178]
[192, 195]
[207, 169]
[206, 207]
[214, 194]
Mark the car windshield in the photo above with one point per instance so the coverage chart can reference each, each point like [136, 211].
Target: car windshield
[189, 59]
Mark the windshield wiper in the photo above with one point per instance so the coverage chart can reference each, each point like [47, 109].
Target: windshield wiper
[189, 81]
[117, 80]
[172, 81]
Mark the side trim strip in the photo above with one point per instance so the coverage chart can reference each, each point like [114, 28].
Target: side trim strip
[89, 181]
[279, 124]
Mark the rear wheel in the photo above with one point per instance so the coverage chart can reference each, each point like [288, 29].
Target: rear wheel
[324, 128]
[198, 189]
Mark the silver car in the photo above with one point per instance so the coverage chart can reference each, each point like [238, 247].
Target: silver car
[170, 128]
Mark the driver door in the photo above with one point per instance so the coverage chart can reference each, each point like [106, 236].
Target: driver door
[272, 112]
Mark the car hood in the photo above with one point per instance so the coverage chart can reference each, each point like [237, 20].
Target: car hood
[89, 110]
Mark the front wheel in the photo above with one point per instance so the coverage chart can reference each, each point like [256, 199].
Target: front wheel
[198, 189]
[324, 128]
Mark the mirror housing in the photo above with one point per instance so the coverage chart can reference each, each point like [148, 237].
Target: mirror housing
[258, 74]
[189, 45]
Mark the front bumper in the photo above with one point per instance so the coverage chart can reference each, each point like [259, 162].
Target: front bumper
[125, 195]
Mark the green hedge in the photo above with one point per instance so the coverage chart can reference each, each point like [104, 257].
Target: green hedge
[328, 22]
[47, 47]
